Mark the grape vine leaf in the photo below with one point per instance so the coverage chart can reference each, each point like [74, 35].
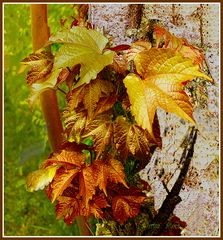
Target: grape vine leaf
[163, 73]
[82, 46]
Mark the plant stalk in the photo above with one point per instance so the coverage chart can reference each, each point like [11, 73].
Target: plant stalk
[48, 99]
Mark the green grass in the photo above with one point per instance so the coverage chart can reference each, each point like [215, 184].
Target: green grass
[25, 141]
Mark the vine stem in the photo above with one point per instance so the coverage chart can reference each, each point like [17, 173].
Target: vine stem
[48, 99]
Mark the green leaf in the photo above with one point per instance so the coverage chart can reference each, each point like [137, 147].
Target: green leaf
[82, 46]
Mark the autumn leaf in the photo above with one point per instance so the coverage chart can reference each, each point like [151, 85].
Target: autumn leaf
[75, 124]
[171, 41]
[82, 46]
[68, 208]
[87, 185]
[101, 129]
[70, 156]
[126, 206]
[89, 95]
[95, 207]
[104, 104]
[40, 178]
[130, 138]
[41, 64]
[108, 170]
[120, 63]
[37, 88]
[137, 47]
[163, 72]
[61, 181]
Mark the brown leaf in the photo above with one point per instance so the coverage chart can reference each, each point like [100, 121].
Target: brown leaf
[68, 208]
[126, 206]
[41, 64]
[105, 104]
[120, 64]
[61, 181]
[75, 124]
[87, 185]
[89, 95]
[101, 129]
[130, 138]
[95, 207]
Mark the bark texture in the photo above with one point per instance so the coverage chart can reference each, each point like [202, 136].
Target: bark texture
[199, 24]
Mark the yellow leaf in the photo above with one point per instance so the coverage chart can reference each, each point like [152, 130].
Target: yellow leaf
[82, 46]
[163, 72]
[39, 179]
[168, 64]
[38, 88]
[146, 96]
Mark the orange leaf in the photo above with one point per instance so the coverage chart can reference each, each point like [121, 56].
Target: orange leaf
[108, 170]
[181, 44]
[87, 185]
[68, 208]
[61, 181]
[70, 156]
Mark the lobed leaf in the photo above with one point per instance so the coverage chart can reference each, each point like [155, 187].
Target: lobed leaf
[82, 46]
[163, 72]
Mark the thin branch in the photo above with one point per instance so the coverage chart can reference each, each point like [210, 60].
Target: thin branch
[173, 197]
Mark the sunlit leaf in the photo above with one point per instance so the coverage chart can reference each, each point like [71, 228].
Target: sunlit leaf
[39, 179]
[163, 72]
[171, 41]
[85, 47]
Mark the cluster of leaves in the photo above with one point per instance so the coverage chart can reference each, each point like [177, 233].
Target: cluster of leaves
[112, 97]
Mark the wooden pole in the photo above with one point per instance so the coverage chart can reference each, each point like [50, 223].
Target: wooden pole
[48, 99]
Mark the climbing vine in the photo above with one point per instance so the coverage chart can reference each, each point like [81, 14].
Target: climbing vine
[111, 128]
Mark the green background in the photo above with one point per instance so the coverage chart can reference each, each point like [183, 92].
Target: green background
[25, 137]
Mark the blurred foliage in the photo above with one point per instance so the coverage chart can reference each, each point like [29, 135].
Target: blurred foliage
[25, 137]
